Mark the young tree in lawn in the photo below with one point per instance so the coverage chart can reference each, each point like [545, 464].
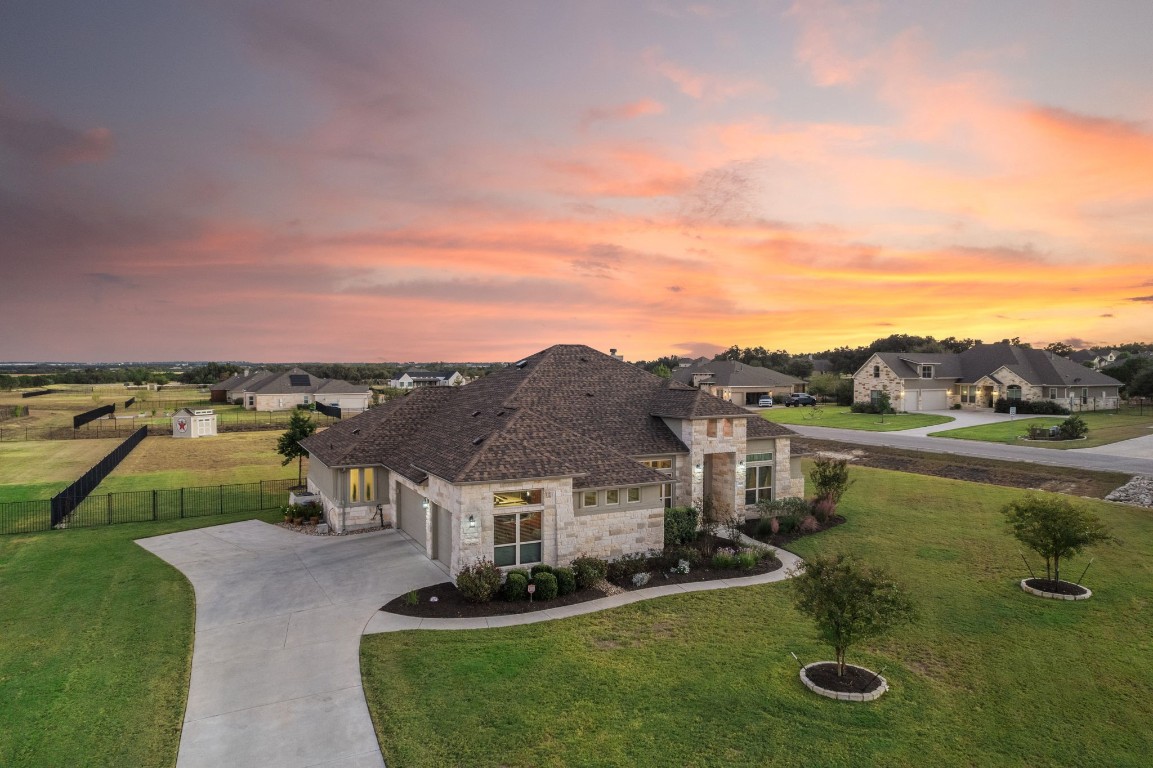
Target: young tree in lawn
[849, 601]
[830, 479]
[1054, 528]
[300, 426]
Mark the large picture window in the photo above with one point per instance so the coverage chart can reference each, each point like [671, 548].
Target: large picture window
[1013, 392]
[517, 538]
[758, 484]
[361, 485]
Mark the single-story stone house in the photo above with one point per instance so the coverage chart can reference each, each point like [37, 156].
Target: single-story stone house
[564, 453]
[978, 377]
[737, 382]
[415, 379]
[266, 391]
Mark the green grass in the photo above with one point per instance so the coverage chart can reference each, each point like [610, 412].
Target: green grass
[988, 676]
[161, 463]
[1105, 427]
[95, 647]
[40, 470]
[843, 418]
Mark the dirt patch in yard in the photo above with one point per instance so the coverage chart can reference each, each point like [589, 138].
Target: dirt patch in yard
[1012, 474]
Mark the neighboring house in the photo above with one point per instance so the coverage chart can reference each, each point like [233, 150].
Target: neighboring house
[736, 382]
[979, 376]
[416, 379]
[228, 391]
[264, 391]
[567, 452]
[1083, 357]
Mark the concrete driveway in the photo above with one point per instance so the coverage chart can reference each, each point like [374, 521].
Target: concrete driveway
[276, 661]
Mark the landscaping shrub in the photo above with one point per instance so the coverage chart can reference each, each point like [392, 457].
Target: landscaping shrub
[540, 568]
[824, 509]
[747, 559]
[479, 582]
[830, 478]
[565, 581]
[725, 557]
[680, 525]
[641, 579]
[673, 555]
[589, 570]
[546, 586]
[515, 586]
[626, 567]
[1073, 428]
[1038, 407]
[809, 525]
[862, 408]
[788, 513]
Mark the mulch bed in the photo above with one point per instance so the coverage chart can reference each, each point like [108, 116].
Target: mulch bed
[855, 679]
[450, 604]
[1056, 587]
[783, 540]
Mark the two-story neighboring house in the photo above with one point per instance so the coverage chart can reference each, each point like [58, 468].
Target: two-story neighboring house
[978, 377]
[564, 453]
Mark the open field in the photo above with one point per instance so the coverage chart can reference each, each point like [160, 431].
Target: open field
[842, 418]
[40, 470]
[988, 676]
[1104, 427]
[97, 647]
[160, 463]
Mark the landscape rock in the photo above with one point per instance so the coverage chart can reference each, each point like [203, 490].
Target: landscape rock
[1138, 491]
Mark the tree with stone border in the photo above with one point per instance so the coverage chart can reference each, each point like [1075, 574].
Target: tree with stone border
[1054, 527]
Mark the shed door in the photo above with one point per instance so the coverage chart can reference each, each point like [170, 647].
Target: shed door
[411, 514]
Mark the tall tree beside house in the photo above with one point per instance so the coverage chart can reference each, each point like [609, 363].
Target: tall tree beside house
[300, 426]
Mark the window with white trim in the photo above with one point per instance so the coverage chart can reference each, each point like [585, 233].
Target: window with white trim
[589, 499]
[876, 371]
[1013, 392]
[633, 495]
[612, 496]
[926, 371]
[516, 538]
[758, 483]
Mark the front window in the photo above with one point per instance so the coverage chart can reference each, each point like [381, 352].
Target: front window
[517, 538]
[658, 464]
[516, 498]
[875, 397]
[1052, 393]
[1013, 392]
[589, 499]
[758, 484]
[612, 496]
[1084, 395]
[361, 484]
[633, 495]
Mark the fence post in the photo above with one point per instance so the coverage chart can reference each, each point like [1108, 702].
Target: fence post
[220, 498]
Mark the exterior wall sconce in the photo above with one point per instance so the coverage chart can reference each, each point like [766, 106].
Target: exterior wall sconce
[424, 504]
[472, 522]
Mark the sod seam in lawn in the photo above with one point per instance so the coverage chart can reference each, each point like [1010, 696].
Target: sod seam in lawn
[988, 676]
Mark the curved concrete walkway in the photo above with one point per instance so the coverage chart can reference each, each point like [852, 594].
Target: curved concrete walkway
[276, 661]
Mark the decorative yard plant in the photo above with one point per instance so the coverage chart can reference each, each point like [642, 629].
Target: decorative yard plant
[849, 601]
[1053, 527]
[300, 426]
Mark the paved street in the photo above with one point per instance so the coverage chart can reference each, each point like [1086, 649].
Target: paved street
[1130, 456]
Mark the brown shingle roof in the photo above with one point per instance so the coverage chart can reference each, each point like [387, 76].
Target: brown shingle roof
[565, 411]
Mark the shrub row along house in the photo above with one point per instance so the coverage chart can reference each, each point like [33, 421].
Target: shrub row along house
[737, 382]
[980, 376]
[567, 452]
[267, 391]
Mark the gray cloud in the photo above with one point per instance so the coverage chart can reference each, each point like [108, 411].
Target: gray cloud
[44, 139]
[1141, 298]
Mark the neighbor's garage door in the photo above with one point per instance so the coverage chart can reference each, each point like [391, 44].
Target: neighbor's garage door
[412, 514]
[934, 400]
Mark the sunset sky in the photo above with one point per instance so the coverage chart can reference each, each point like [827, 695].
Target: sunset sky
[379, 181]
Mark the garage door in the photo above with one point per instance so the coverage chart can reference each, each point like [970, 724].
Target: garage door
[934, 400]
[411, 514]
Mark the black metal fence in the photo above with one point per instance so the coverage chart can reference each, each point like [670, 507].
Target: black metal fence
[38, 392]
[128, 403]
[228, 421]
[331, 411]
[83, 418]
[63, 503]
[13, 411]
[144, 506]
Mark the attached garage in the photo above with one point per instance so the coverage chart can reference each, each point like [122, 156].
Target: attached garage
[411, 514]
[926, 400]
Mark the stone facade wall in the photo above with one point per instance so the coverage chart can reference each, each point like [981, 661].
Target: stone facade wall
[864, 382]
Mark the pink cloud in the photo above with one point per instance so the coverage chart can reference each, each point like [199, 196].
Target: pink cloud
[620, 112]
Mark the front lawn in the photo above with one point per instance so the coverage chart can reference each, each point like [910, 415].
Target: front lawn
[989, 676]
[95, 647]
[1104, 427]
[842, 418]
